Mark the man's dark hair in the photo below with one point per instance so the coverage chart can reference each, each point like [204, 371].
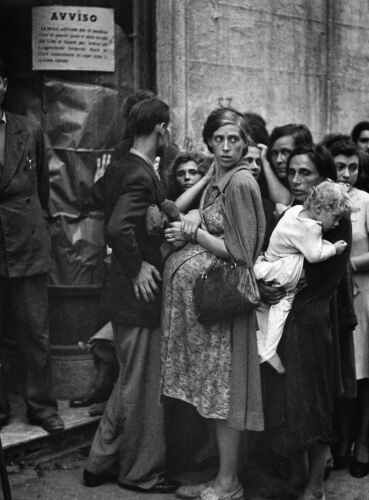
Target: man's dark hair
[134, 98]
[356, 131]
[320, 156]
[146, 114]
[340, 144]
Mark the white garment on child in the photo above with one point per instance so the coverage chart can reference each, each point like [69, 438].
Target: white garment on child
[293, 239]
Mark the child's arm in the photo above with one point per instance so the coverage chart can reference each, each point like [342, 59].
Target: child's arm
[277, 191]
[313, 247]
[185, 200]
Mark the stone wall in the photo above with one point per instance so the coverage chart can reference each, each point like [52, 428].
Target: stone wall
[288, 60]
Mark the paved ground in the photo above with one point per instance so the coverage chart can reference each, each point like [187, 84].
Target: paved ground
[61, 480]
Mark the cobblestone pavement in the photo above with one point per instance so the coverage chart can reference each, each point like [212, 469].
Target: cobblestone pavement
[61, 480]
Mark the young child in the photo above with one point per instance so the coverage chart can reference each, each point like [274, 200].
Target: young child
[298, 235]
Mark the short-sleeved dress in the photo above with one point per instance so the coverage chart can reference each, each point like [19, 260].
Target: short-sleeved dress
[196, 359]
[360, 245]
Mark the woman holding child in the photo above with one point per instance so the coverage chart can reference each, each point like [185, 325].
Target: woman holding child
[298, 405]
[214, 367]
[297, 236]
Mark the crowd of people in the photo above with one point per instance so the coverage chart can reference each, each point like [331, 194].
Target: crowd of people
[295, 368]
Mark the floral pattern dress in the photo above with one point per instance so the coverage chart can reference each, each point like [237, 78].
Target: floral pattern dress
[196, 359]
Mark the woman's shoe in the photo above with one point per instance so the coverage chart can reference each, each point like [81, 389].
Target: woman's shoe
[359, 469]
[210, 494]
[191, 491]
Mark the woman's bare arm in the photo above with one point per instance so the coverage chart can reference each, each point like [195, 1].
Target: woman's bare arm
[185, 200]
[277, 191]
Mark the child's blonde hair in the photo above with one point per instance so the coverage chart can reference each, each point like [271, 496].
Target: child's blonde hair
[329, 196]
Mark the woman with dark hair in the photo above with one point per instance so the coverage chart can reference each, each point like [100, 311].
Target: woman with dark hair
[353, 415]
[253, 161]
[257, 128]
[273, 182]
[214, 367]
[360, 135]
[363, 174]
[342, 144]
[283, 140]
[299, 404]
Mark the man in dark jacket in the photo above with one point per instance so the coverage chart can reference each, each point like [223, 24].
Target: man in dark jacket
[101, 344]
[129, 444]
[24, 261]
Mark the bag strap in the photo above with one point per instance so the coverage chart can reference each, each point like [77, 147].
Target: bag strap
[232, 262]
[238, 169]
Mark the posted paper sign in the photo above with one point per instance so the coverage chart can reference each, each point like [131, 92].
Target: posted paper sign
[72, 38]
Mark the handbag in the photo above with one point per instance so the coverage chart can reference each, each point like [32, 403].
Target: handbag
[225, 289]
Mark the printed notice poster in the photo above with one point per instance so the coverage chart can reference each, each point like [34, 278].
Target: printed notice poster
[72, 38]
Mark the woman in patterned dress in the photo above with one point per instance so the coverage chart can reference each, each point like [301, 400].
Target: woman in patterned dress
[215, 367]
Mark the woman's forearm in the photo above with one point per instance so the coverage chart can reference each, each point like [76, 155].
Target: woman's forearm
[277, 191]
[212, 243]
[360, 263]
[186, 199]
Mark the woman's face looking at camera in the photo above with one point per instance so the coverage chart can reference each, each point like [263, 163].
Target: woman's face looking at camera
[253, 161]
[302, 176]
[347, 168]
[187, 175]
[280, 151]
[227, 145]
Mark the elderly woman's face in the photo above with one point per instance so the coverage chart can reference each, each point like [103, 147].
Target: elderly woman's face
[227, 145]
[302, 176]
[280, 151]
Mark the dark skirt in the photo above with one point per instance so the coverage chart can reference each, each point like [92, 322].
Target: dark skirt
[298, 405]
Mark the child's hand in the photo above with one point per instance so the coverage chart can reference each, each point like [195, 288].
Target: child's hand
[340, 246]
[101, 165]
